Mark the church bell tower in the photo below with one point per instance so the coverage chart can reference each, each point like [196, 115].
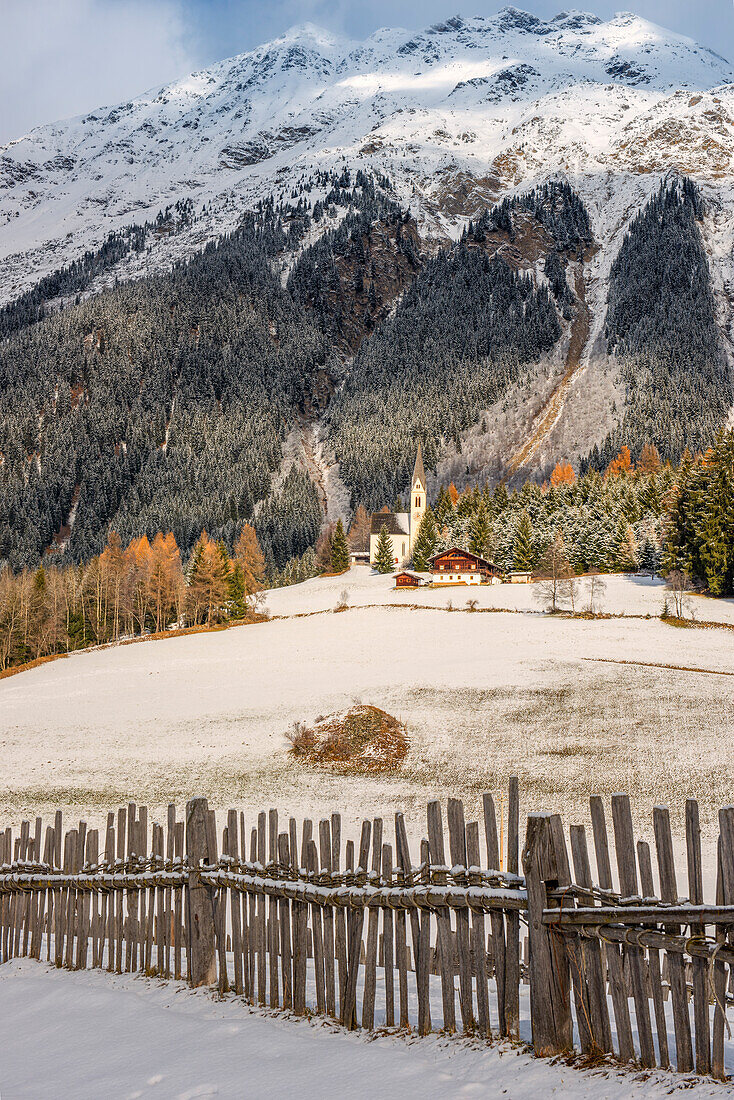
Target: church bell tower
[418, 498]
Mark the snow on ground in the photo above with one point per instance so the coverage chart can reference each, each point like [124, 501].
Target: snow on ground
[624, 595]
[91, 1034]
[484, 696]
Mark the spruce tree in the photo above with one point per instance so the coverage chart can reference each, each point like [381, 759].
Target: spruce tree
[339, 549]
[522, 551]
[426, 541]
[384, 562]
[480, 532]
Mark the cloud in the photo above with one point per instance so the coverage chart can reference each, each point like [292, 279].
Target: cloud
[60, 58]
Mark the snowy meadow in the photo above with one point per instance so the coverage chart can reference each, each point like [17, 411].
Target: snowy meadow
[572, 706]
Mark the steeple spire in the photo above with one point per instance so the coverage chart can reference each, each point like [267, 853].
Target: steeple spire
[419, 474]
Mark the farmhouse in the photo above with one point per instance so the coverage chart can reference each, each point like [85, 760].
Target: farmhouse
[402, 527]
[457, 566]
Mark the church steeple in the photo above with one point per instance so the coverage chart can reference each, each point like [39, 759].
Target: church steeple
[419, 474]
[418, 498]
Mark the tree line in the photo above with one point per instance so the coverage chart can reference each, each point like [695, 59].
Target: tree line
[126, 592]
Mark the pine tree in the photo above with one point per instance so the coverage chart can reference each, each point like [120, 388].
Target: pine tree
[522, 551]
[479, 532]
[339, 549]
[384, 562]
[426, 541]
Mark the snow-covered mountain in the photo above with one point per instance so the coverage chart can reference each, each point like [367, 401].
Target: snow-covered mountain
[458, 114]
[525, 226]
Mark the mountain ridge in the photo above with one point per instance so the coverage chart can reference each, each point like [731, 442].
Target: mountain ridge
[312, 193]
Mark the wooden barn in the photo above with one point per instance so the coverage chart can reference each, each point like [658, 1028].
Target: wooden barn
[408, 579]
[457, 566]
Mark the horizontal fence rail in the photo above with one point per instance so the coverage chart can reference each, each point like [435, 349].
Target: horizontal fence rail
[598, 949]
[364, 932]
[372, 932]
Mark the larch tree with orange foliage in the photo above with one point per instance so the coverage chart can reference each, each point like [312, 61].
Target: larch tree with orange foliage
[622, 465]
[649, 460]
[166, 581]
[563, 474]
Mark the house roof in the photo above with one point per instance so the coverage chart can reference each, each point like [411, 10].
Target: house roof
[412, 573]
[465, 554]
[419, 474]
[396, 523]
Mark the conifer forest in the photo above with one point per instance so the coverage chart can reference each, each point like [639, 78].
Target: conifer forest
[155, 412]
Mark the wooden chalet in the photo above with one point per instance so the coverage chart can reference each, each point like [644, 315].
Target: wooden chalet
[407, 578]
[457, 566]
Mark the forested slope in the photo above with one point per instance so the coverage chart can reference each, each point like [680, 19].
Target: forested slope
[661, 328]
[164, 404]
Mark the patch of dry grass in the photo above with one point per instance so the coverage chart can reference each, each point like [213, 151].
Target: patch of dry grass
[365, 739]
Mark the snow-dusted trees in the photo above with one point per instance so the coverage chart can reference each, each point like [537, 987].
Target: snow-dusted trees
[661, 326]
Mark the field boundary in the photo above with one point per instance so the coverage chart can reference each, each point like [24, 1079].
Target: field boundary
[371, 933]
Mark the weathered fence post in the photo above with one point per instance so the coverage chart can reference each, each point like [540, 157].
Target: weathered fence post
[200, 945]
[550, 1001]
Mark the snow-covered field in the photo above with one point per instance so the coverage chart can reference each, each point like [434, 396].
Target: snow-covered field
[573, 707]
[128, 1038]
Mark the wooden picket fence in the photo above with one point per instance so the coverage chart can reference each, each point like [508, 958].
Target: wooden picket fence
[370, 933]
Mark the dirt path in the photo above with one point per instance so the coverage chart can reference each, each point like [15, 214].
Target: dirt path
[551, 411]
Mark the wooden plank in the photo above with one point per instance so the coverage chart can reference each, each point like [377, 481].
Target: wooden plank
[317, 927]
[178, 907]
[340, 924]
[422, 965]
[569, 949]
[624, 844]
[623, 1023]
[653, 955]
[235, 906]
[387, 939]
[443, 916]
[552, 1025]
[201, 947]
[512, 919]
[457, 848]
[676, 965]
[284, 913]
[373, 920]
[328, 919]
[478, 937]
[592, 951]
[496, 919]
[260, 918]
[720, 1022]
[700, 975]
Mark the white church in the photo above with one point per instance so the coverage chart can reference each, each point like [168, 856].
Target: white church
[402, 527]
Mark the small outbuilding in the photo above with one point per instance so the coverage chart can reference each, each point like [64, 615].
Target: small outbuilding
[457, 566]
[408, 579]
[519, 576]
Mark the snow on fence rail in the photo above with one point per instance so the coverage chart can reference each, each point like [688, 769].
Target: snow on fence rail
[291, 919]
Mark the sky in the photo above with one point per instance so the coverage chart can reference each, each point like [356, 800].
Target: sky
[60, 58]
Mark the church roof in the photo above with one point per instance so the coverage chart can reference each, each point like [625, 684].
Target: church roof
[396, 523]
[419, 474]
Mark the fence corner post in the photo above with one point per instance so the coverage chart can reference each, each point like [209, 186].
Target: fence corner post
[200, 942]
[550, 1003]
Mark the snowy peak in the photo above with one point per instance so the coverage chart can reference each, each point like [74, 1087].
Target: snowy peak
[511, 97]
